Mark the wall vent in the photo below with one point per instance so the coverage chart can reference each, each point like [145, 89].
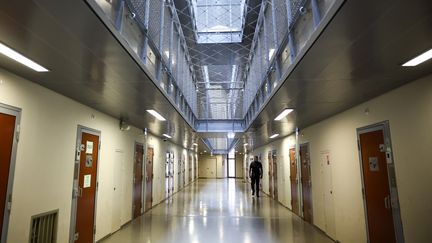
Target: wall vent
[43, 227]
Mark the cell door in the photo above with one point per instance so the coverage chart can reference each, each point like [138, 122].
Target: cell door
[294, 182]
[149, 178]
[379, 185]
[275, 175]
[183, 170]
[270, 173]
[306, 182]
[190, 168]
[8, 142]
[179, 182]
[138, 180]
[85, 185]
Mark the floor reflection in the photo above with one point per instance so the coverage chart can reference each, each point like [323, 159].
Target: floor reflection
[219, 210]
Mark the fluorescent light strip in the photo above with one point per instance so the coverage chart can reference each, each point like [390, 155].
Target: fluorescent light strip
[419, 59]
[274, 135]
[157, 115]
[166, 135]
[21, 59]
[283, 114]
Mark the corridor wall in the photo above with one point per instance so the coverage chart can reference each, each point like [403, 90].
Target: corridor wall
[45, 158]
[408, 110]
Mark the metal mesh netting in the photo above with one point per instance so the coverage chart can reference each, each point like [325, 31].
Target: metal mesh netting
[154, 28]
[281, 19]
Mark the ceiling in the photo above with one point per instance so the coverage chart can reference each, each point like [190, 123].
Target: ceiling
[357, 57]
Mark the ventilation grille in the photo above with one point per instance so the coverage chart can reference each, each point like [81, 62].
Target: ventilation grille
[44, 227]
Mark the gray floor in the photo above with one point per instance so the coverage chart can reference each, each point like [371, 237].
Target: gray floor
[218, 211]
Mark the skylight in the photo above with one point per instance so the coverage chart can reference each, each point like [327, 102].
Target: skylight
[219, 21]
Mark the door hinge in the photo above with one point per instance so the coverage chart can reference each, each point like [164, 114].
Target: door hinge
[17, 132]
[9, 202]
[76, 236]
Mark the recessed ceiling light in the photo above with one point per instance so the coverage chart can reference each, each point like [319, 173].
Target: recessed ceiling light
[205, 151]
[419, 59]
[274, 135]
[166, 135]
[157, 115]
[21, 59]
[195, 144]
[283, 114]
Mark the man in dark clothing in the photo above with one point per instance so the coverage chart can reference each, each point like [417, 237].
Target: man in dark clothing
[255, 173]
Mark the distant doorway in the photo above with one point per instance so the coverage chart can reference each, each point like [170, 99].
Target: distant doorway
[379, 184]
[231, 164]
[9, 119]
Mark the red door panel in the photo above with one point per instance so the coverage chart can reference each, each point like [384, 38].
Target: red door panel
[294, 182]
[149, 179]
[87, 188]
[138, 178]
[306, 181]
[7, 130]
[377, 191]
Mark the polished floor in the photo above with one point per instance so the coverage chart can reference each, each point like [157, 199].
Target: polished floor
[221, 210]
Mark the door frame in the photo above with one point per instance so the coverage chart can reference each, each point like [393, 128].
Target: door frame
[142, 173]
[80, 130]
[391, 173]
[13, 111]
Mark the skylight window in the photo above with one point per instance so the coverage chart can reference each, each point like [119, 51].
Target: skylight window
[219, 21]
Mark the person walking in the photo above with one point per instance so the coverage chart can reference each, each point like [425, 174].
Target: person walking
[255, 173]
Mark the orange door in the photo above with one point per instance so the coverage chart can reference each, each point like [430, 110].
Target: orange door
[294, 182]
[306, 183]
[84, 225]
[270, 173]
[275, 177]
[137, 181]
[7, 131]
[149, 179]
[376, 185]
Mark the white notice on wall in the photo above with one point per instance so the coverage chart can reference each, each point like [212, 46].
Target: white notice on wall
[87, 181]
[89, 147]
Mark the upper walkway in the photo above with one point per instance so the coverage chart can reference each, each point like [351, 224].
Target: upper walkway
[218, 210]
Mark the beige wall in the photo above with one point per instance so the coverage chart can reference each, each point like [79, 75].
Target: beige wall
[45, 158]
[208, 168]
[409, 112]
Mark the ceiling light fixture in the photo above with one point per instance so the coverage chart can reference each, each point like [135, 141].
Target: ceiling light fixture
[166, 135]
[195, 144]
[157, 115]
[231, 135]
[7, 51]
[245, 144]
[419, 59]
[283, 114]
[274, 135]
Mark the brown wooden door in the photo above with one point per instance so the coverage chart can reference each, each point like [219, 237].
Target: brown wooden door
[270, 173]
[294, 182]
[275, 176]
[376, 183]
[149, 179]
[306, 181]
[84, 225]
[7, 131]
[137, 181]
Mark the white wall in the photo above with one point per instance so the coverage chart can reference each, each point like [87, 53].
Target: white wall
[45, 158]
[409, 111]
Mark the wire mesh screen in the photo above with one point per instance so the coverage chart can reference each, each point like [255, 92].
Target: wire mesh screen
[154, 28]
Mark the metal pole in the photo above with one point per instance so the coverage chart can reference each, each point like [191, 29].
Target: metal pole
[316, 13]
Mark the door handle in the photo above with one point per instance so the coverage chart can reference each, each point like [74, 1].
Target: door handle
[387, 202]
[80, 190]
